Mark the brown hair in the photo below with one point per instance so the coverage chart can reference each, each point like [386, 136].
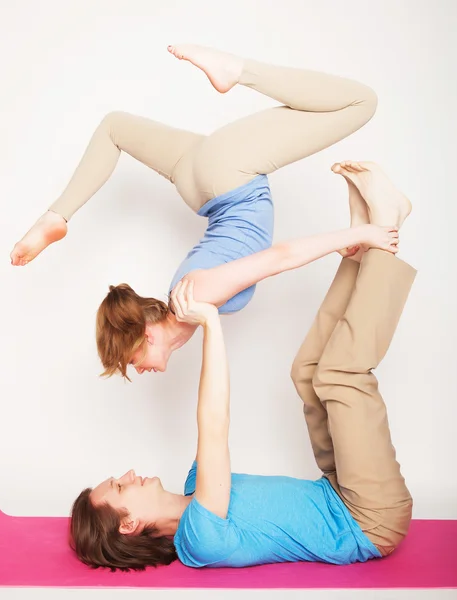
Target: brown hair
[121, 324]
[95, 537]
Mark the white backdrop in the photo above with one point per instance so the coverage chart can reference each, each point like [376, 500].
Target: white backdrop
[64, 65]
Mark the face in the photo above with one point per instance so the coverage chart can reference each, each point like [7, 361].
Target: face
[158, 351]
[142, 497]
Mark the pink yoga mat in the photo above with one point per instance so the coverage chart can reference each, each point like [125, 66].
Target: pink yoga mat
[34, 553]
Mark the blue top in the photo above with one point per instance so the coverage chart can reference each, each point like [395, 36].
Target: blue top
[240, 223]
[269, 520]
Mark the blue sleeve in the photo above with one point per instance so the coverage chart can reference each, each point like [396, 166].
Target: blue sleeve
[205, 260]
[198, 258]
[203, 538]
[191, 481]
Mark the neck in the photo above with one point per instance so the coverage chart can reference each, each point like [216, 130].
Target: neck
[176, 504]
[178, 333]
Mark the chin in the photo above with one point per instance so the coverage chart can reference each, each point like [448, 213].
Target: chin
[152, 481]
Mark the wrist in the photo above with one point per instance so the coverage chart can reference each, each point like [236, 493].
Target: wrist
[360, 234]
[211, 319]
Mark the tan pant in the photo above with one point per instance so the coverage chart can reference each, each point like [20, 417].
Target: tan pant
[344, 411]
[318, 110]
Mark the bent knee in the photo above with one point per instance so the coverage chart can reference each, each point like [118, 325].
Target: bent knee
[302, 371]
[369, 101]
[114, 116]
[393, 529]
[114, 120]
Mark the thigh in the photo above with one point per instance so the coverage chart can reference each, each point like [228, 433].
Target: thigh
[266, 141]
[158, 146]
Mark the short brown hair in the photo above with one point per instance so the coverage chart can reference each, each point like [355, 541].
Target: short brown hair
[121, 324]
[95, 537]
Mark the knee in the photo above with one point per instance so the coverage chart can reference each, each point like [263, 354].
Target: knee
[369, 102]
[295, 371]
[302, 371]
[111, 120]
[113, 125]
[394, 528]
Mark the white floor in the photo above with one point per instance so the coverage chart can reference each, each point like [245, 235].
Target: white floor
[127, 594]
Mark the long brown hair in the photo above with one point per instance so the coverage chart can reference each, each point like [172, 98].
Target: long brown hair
[95, 537]
[121, 324]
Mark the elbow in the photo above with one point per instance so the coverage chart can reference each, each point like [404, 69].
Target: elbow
[216, 423]
[283, 257]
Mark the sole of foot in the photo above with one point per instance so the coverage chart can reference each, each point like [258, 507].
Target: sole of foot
[387, 205]
[222, 69]
[49, 228]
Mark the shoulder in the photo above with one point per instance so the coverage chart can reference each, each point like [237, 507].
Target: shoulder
[203, 538]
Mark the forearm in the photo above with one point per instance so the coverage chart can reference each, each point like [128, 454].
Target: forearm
[213, 409]
[219, 284]
[302, 251]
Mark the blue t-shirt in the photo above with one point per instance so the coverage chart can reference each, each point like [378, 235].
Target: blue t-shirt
[269, 520]
[240, 223]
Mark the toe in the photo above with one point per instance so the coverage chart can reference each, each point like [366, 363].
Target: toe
[336, 168]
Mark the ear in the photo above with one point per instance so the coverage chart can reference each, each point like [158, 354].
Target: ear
[129, 526]
[149, 334]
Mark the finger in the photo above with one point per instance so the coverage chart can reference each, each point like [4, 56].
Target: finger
[183, 296]
[174, 292]
[178, 299]
[189, 291]
[178, 304]
[178, 311]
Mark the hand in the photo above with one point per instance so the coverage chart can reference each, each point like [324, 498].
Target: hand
[188, 310]
[349, 251]
[383, 238]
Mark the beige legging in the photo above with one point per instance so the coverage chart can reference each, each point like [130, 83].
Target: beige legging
[345, 413]
[318, 110]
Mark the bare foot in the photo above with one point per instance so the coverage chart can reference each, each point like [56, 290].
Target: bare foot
[222, 69]
[49, 228]
[359, 216]
[385, 203]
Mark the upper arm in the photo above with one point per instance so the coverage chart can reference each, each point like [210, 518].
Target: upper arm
[213, 472]
[218, 284]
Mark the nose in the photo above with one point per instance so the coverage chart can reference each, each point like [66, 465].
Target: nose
[128, 477]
